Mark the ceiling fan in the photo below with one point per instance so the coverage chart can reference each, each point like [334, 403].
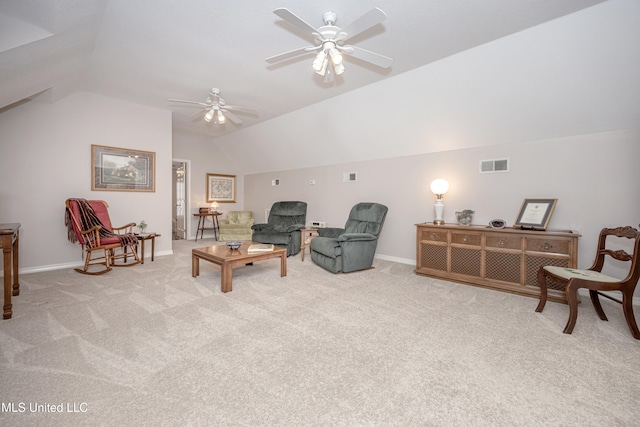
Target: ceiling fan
[330, 41]
[214, 108]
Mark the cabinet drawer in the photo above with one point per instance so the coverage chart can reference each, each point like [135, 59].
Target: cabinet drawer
[466, 239]
[503, 242]
[434, 235]
[547, 245]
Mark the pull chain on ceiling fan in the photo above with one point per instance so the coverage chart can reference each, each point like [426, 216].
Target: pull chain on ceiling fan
[331, 41]
[216, 110]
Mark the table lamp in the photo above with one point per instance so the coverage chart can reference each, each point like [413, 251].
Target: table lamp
[439, 187]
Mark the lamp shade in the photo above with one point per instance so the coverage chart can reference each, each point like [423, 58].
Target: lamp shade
[439, 186]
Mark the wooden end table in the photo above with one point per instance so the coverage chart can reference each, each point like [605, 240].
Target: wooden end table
[227, 259]
[306, 234]
[202, 216]
[147, 236]
[10, 235]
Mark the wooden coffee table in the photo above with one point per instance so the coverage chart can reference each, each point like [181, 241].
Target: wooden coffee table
[227, 259]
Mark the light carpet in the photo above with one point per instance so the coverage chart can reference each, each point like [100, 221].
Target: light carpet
[150, 345]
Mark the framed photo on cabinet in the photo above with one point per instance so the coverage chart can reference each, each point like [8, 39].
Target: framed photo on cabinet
[535, 214]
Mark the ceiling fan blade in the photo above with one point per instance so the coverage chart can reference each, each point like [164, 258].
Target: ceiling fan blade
[294, 20]
[368, 56]
[198, 116]
[291, 54]
[204, 104]
[235, 119]
[237, 109]
[366, 21]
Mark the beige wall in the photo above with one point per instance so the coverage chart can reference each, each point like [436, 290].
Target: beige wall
[576, 75]
[45, 158]
[590, 175]
[205, 157]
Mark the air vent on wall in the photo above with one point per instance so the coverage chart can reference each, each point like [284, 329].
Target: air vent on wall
[349, 176]
[494, 165]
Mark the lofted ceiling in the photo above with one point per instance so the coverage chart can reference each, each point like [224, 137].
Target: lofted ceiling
[147, 51]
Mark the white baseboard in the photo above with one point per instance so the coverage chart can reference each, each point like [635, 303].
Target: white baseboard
[71, 265]
[397, 259]
[51, 267]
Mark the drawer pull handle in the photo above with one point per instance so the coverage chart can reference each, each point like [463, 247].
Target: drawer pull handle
[465, 239]
[547, 246]
[501, 242]
[434, 236]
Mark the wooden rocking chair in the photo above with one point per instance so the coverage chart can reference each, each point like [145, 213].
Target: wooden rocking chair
[89, 224]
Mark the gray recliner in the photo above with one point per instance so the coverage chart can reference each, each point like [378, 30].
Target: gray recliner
[350, 248]
[283, 226]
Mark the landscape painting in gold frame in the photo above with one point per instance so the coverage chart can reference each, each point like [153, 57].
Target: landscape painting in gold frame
[122, 169]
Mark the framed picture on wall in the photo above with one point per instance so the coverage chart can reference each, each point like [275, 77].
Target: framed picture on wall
[221, 188]
[535, 214]
[122, 169]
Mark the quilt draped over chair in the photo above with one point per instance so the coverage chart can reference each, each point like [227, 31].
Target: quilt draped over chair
[88, 223]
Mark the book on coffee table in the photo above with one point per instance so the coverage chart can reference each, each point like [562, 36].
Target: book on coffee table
[260, 248]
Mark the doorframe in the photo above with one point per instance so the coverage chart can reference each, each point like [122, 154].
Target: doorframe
[187, 198]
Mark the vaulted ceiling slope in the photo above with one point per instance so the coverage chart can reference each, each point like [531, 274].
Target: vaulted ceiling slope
[147, 51]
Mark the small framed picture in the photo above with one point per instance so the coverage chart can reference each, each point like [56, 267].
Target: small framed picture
[221, 188]
[535, 214]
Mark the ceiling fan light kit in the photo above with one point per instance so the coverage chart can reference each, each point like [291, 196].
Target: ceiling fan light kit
[216, 110]
[331, 41]
[217, 114]
[330, 44]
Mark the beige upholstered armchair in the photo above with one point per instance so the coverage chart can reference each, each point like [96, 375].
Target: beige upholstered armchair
[236, 226]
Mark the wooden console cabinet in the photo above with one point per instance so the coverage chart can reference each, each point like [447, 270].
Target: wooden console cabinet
[507, 259]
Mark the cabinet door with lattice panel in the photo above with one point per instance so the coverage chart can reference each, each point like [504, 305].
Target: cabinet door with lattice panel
[541, 251]
[466, 253]
[432, 250]
[503, 258]
[533, 264]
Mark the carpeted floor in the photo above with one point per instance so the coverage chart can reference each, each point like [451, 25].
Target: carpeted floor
[150, 345]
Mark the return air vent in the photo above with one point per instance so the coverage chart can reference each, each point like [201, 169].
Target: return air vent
[349, 176]
[494, 165]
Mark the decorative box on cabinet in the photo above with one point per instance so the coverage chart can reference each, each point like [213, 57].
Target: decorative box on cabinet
[504, 259]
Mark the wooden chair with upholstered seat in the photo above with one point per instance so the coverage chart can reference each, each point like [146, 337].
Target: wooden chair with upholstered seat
[609, 251]
[89, 224]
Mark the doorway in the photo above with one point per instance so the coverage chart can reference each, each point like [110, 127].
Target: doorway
[180, 195]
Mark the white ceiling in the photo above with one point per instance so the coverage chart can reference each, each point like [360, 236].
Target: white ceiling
[147, 51]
